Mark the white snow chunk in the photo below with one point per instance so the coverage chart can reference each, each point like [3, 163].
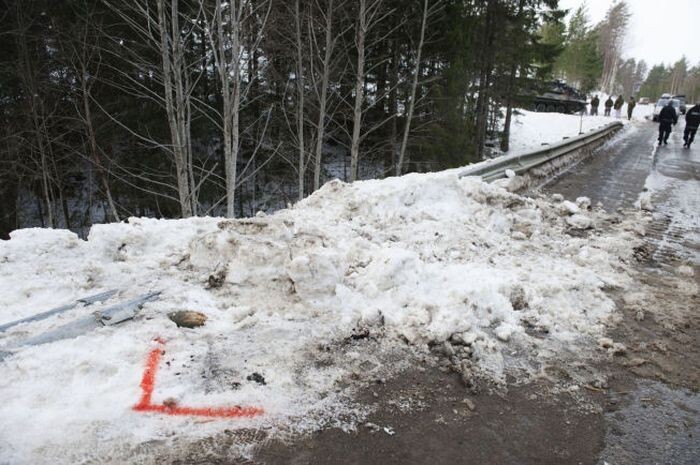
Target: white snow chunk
[568, 207]
[584, 203]
[579, 221]
[644, 202]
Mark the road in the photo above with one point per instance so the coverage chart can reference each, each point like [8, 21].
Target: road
[656, 422]
[649, 413]
[629, 165]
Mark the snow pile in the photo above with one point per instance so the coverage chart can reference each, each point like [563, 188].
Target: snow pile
[428, 260]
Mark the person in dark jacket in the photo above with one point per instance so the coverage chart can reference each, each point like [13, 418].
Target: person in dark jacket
[595, 101]
[692, 121]
[630, 107]
[608, 106]
[618, 105]
[667, 117]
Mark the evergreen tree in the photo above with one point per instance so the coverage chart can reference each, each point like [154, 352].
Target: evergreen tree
[580, 63]
[655, 83]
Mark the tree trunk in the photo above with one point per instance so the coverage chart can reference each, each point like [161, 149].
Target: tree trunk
[505, 137]
[229, 75]
[325, 78]
[300, 99]
[171, 56]
[26, 75]
[412, 98]
[482, 104]
[94, 150]
[359, 90]
[393, 104]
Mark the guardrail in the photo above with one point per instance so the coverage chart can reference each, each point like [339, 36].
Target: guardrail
[521, 163]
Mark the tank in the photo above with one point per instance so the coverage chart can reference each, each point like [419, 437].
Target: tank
[559, 97]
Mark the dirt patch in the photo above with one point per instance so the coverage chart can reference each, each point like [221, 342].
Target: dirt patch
[429, 416]
[660, 326]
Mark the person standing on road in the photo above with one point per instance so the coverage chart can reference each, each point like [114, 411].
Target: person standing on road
[608, 106]
[692, 121]
[667, 117]
[595, 101]
[630, 107]
[618, 105]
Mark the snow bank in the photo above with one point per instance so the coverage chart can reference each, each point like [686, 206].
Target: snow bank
[423, 259]
[531, 130]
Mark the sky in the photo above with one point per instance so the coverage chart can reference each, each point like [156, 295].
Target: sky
[680, 20]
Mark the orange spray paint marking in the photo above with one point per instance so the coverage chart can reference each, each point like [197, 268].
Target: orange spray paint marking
[148, 382]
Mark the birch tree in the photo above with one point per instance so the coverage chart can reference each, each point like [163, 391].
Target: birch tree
[330, 40]
[160, 31]
[177, 99]
[225, 36]
[612, 32]
[370, 14]
[429, 9]
[300, 97]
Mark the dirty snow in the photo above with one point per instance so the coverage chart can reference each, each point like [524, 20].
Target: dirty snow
[418, 260]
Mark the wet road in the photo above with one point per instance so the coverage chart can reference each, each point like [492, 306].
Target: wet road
[654, 423]
[633, 163]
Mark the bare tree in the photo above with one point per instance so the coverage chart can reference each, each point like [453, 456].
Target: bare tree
[84, 57]
[429, 9]
[360, 37]
[370, 14]
[225, 35]
[27, 74]
[299, 46]
[326, 64]
[679, 73]
[612, 31]
[177, 98]
[162, 32]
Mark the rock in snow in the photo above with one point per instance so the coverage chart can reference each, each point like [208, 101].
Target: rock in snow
[423, 259]
[188, 319]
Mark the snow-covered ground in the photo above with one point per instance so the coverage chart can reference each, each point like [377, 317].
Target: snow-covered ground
[416, 261]
[530, 130]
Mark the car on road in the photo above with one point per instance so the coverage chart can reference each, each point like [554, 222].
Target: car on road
[663, 102]
[644, 101]
[682, 99]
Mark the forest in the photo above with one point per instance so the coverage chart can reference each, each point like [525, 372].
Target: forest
[174, 108]
[591, 59]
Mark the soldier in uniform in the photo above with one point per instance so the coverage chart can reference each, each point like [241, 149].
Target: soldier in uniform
[595, 101]
[667, 117]
[692, 121]
[630, 107]
[618, 105]
[608, 106]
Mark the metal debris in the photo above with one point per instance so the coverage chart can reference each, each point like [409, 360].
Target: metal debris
[55, 311]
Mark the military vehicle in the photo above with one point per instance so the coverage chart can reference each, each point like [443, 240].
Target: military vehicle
[561, 98]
